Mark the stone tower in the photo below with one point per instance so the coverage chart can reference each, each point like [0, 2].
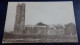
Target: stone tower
[20, 18]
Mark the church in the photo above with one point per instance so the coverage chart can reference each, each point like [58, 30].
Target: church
[39, 29]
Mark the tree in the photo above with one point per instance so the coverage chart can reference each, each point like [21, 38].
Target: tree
[59, 27]
[70, 29]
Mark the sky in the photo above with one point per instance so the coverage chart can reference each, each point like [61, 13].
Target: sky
[46, 12]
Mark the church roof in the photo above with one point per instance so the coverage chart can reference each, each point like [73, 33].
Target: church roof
[41, 24]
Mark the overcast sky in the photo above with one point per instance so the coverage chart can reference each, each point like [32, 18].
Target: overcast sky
[46, 12]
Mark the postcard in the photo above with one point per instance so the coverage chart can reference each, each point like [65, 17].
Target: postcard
[40, 22]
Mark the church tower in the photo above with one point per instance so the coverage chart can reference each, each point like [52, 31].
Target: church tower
[20, 18]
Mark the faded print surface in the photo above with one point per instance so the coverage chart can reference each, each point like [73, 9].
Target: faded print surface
[40, 22]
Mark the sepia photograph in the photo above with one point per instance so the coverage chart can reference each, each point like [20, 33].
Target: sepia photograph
[40, 22]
